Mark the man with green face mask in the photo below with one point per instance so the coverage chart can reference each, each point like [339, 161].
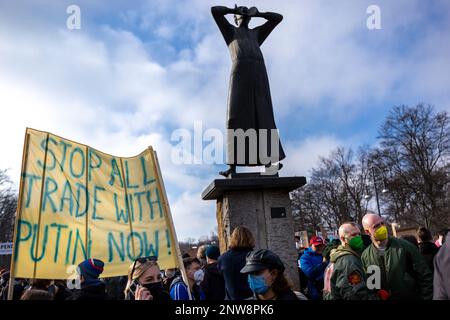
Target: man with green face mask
[345, 278]
[403, 272]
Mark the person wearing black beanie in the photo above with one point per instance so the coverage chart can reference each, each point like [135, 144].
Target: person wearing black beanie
[213, 284]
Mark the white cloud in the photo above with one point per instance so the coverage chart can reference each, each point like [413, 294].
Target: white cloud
[192, 213]
[303, 155]
[105, 92]
[120, 88]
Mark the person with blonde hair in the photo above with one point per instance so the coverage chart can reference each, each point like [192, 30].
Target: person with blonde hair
[201, 254]
[231, 262]
[145, 281]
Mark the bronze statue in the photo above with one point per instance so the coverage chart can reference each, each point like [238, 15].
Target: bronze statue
[249, 100]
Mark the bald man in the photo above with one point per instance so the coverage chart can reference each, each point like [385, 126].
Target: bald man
[345, 278]
[404, 272]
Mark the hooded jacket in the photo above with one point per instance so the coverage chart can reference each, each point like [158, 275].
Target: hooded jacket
[404, 272]
[313, 266]
[345, 278]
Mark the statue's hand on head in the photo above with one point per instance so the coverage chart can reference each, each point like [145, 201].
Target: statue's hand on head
[252, 12]
[243, 11]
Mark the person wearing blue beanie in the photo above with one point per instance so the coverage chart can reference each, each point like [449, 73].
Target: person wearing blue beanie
[92, 288]
[91, 268]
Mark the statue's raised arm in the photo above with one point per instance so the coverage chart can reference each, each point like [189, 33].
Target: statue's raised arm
[273, 19]
[225, 27]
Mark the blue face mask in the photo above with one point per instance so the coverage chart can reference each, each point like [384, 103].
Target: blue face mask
[257, 284]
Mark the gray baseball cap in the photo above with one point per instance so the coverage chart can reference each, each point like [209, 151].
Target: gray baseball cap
[262, 259]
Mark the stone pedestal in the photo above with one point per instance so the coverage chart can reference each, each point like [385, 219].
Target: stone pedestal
[262, 204]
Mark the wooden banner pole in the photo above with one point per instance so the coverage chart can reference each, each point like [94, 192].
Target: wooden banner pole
[86, 229]
[169, 218]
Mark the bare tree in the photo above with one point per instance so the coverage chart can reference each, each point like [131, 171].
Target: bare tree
[335, 192]
[411, 162]
[415, 152]
[8, 207]
[189, 244]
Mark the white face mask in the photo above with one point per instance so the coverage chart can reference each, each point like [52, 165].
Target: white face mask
[297, 245]
[169, 273]
[198, 276]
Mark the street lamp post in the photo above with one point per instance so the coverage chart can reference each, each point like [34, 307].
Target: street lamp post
[367, 197]
[376, 191]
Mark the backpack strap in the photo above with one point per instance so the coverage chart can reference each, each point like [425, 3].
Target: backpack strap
[327, 277]
[175, 281]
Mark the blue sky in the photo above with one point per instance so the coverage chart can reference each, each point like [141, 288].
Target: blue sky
[137, 70]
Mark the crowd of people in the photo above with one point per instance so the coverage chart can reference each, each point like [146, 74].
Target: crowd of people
[372, 265]
[360, 265]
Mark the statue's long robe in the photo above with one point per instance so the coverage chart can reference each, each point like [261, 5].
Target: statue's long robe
[249, 99]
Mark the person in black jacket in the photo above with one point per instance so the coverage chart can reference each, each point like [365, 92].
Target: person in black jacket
[427, 248]
[92, 288]
[169, 276]
[232, 261]
[213, 284]
[115, 287]
[19, 287]
[60, 290]
[412, 239]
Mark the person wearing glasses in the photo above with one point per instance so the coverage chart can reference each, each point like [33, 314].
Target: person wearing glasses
[404, 273]
[145, 281]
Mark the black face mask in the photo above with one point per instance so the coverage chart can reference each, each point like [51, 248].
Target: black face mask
[157, 291]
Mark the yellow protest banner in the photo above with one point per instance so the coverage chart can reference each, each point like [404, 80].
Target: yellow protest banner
[76, 202]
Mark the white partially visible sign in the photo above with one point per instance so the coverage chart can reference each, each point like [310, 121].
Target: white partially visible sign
[327, 234]
[6, 248]
[304, 241]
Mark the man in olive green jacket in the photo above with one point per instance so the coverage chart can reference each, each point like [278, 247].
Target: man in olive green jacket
[404, 272]
[345, 278]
